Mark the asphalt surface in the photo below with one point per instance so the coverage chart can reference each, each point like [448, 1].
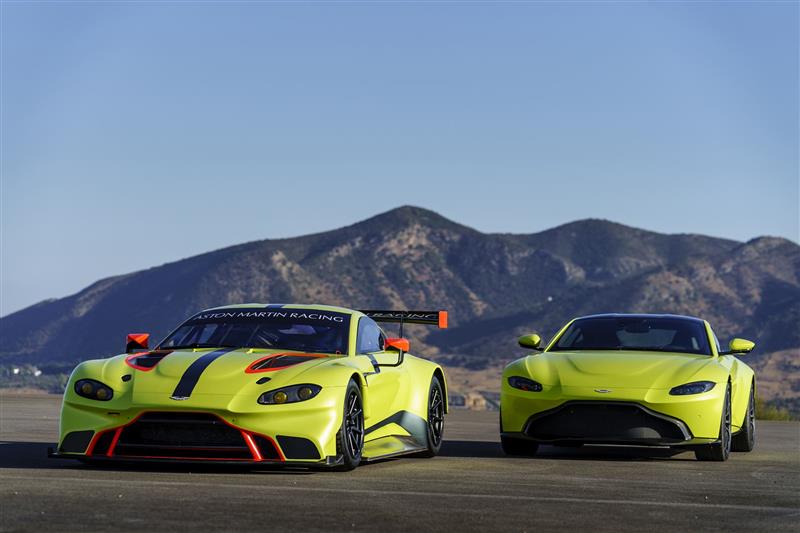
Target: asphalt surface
[470, 486]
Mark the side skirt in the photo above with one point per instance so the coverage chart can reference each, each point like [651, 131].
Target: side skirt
[388, 447]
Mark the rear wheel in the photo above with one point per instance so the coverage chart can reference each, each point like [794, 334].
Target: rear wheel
[745, 440]
[350, 439]
[435, 419]
[720, 450]
[513, 446]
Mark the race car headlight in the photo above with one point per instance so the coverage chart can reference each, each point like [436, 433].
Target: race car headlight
[525, 384]
[695, 387]
[94, 390]
[295, 393]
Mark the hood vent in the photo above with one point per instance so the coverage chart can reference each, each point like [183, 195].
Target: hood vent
[280, 361]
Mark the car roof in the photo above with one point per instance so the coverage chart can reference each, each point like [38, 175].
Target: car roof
[643, 315]
[316, 307]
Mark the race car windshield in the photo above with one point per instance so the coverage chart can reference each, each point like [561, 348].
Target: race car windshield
[655, 334]
[301, 330]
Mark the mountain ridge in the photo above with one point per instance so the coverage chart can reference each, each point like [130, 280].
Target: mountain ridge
[495, 285]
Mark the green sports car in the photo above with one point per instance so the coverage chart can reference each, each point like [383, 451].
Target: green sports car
[631, 379]
[261, 384]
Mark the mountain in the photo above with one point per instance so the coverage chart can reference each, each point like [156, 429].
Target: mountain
[496, 286]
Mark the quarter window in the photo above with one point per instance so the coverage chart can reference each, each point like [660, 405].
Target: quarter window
[370, 337]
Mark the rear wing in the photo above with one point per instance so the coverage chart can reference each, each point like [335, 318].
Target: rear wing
[429, 318]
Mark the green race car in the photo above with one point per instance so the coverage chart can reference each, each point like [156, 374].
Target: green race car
[653, 380]
[303, 385]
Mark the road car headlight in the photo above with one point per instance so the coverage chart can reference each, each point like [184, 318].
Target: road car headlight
[295, 393]
[695, 387]
[94, 390]
[525, 384]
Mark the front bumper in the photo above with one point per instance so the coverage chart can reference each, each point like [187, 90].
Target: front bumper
[624, 416]
[301, 434]
[606, 423]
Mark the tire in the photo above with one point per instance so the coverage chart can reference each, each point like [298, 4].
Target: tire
[720, 450]
[521, 447]
[745, 439]
[350, 438]
[435, 425]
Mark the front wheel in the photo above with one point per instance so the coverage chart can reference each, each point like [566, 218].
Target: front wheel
[720, 450]
[350, 439]
[435, 426]
[745, 440]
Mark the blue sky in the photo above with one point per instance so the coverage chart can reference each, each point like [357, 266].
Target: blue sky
[135, 134]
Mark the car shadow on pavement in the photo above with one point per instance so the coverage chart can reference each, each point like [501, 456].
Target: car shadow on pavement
[488, 449]
[470, 448]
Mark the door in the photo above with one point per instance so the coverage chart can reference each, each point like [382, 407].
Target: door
[387, 386]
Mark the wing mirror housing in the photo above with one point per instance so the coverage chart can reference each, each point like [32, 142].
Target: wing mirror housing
[739, 346]
[396, 344]
[532, 341]
[401, 345]
[137, 342]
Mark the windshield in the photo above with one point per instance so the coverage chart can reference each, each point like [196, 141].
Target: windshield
[303, 330]
[654, 334]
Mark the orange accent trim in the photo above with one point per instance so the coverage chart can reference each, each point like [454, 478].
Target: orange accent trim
[400, 344]
[94, 440]
[248, 438]
[140, 354]
[139, 338]
[247, 435]
[251, 370]
[113, 444]
[443, 319]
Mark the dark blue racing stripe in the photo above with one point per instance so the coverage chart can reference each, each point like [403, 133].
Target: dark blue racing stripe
[192, 375]
[274, 306]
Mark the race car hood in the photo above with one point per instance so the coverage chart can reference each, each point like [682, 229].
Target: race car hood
[204, 378]
[621, 369]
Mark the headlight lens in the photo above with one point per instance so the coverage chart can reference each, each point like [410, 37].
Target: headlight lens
[295, 393]
[696, 387]
[525, 384]
[94, 390]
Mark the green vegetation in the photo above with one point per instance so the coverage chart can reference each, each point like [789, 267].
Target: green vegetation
[771, 410]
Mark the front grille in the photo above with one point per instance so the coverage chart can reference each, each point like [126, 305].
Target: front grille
[182, 435]
[606, 422]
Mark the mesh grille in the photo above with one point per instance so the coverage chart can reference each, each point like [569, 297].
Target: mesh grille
[605, 422]
[182, 435]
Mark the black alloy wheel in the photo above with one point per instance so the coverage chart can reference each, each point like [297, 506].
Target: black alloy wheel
[435, 426]
[350, 439]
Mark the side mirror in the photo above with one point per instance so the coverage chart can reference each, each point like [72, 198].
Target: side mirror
[396, 344]
[137, 342]
[739, 346]
[400, 345]
[532, 341]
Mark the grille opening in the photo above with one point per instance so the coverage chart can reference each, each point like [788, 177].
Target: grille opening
[76, 441]
[103, 442]
[266, 448]
[605, 423]
[182, 435]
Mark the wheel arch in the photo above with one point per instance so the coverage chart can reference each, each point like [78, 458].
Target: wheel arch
[362, 386]
[742, 383]
[439, 373]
